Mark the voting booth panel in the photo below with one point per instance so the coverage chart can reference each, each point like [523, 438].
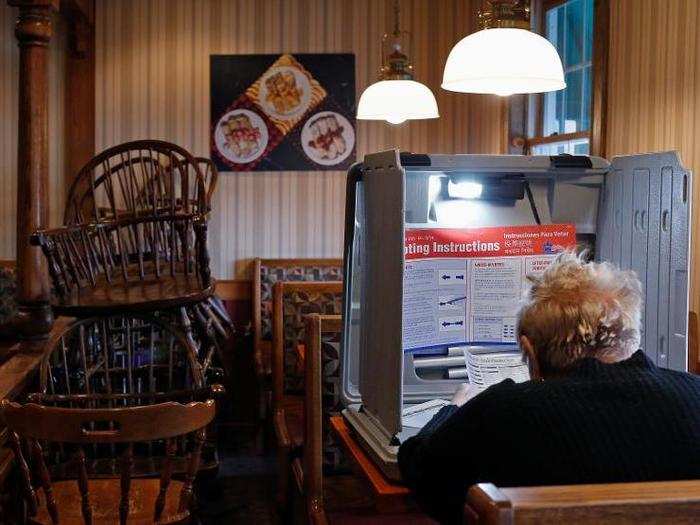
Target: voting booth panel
[437, 248]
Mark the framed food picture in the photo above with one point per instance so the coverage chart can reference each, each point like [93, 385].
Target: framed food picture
[283, 112]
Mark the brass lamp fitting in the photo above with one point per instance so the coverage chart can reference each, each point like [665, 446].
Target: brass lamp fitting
[505, 14]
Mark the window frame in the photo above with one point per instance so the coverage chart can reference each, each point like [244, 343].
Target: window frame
[526, 113]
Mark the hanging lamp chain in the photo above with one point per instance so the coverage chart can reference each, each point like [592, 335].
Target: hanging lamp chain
[395, 64]
[397, 14]
[504, 14]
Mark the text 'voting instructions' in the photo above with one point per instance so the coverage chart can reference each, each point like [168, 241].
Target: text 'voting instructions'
[465, 285]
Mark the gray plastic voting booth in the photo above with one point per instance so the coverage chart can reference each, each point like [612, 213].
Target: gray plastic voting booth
[634, 212]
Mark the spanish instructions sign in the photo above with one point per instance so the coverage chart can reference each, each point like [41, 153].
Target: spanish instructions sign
[464, 285]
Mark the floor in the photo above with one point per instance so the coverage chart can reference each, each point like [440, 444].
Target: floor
[243, 491]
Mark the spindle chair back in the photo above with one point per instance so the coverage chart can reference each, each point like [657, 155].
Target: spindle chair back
[132, 354]
[148, 262]
[210, 176]
[105, 501]
[144, 177]
[122, 361]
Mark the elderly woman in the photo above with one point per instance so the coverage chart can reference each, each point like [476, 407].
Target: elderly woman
[595, 410]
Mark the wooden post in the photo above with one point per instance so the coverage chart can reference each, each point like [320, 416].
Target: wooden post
[80, 86]
[33, 32]
[601, 46]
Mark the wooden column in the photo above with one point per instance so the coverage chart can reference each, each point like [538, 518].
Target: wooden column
[33, 32]
[80, 85]
[601, 45]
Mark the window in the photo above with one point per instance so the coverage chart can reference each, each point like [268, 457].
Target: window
[564, 117]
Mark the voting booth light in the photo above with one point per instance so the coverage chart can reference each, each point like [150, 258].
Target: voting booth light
[437, 250]
[465, 190]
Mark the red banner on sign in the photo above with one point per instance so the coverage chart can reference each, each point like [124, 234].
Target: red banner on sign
[424, 243]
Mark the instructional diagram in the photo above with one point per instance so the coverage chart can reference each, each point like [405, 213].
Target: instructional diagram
[464, 285]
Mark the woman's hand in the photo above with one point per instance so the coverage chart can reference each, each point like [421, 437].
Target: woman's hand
[464, 393]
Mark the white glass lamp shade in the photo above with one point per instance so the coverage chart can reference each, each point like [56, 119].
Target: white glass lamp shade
[503, 61]
[397, 101]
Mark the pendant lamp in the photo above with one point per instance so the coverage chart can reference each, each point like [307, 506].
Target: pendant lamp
[396, 97]
[504, 57]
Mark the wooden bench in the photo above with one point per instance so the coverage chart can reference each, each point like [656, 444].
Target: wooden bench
[676, 502]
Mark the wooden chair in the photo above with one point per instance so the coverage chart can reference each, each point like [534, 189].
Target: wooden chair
[150, 178]
[325, 495]
[291, 302]
[146, 263]
[136, 501]
[210, 177]
[139, 177]
[135, 233]
[676, 502]
[266, 272]
[134, 354]
[106, 362]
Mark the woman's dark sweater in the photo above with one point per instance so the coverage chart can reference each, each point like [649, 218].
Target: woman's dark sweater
[628, 421]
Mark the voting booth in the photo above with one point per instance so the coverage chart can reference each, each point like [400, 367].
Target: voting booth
[437, 248]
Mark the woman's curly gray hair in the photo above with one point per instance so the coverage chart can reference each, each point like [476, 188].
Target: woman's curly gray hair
[577, 309]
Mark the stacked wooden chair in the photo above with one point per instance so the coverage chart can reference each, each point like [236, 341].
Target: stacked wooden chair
[135, 239]
[121, 361]
[131, 264]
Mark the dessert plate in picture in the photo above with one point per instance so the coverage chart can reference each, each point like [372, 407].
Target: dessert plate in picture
[327, 138]
[241, 136]
[285, 92]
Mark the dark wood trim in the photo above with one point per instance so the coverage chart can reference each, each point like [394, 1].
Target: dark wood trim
[639, 502]
[601, 45]
[693, 343]
[79, 103]
[516, 125]
[519, 106]
[84, 8]
[234, 290]
[563, 137]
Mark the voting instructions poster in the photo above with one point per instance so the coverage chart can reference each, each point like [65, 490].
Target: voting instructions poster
[465, 285]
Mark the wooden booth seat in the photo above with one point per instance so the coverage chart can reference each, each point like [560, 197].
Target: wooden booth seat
[266, 272]
[291, 302]
[325, 493]
[667, 502]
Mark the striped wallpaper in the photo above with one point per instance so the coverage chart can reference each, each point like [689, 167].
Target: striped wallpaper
[153, 81]
[9, 82]
[654, 89]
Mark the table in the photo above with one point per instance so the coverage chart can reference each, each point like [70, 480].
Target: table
[390, 497]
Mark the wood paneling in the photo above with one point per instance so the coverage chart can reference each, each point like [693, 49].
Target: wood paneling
[654, 89]
[152, 70]
[9, 83]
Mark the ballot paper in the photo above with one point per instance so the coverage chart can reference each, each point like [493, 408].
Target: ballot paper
[463, 286]
[486, 369]
[417, 416]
